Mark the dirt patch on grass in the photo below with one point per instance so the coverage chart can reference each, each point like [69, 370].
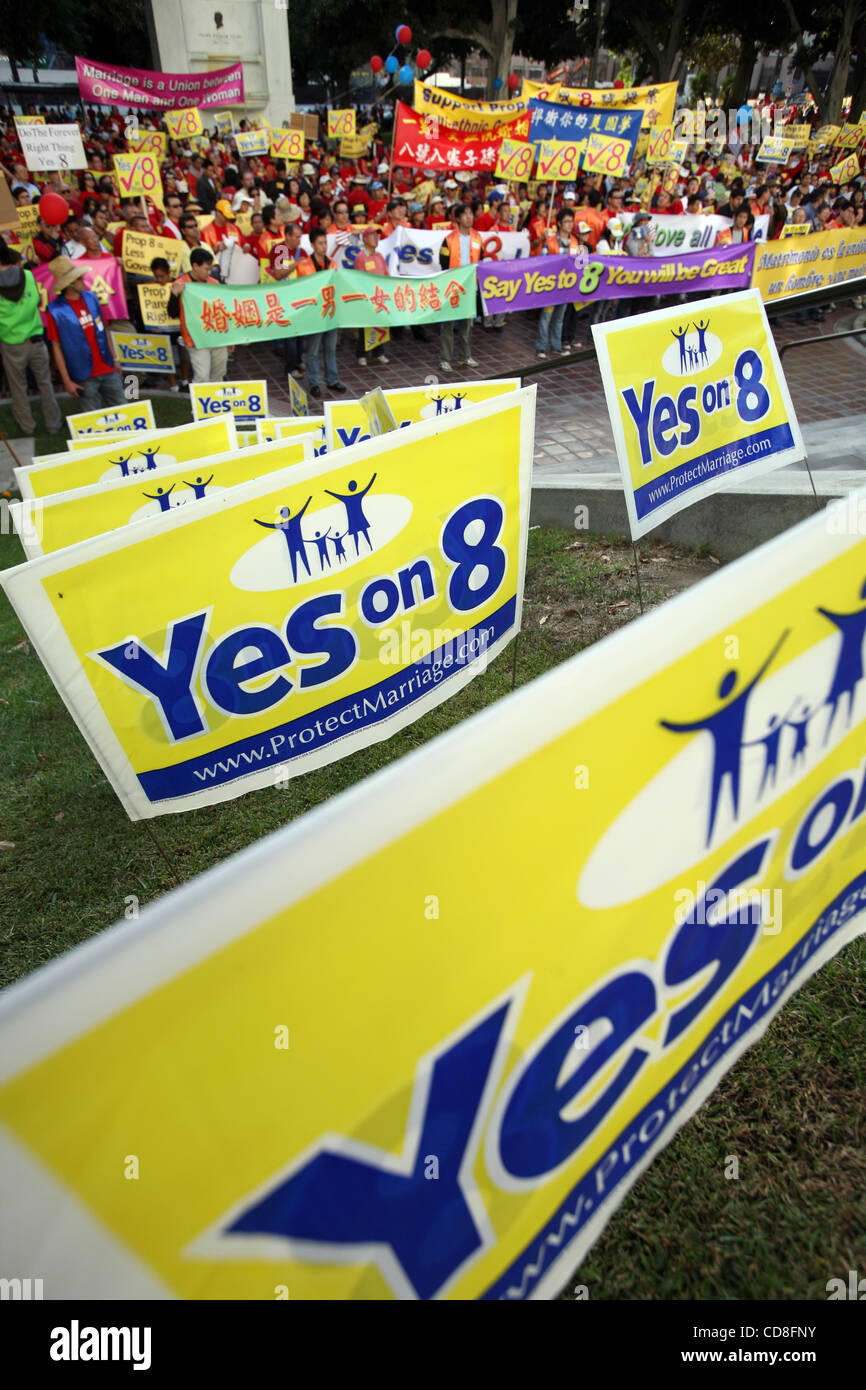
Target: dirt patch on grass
[580, 588]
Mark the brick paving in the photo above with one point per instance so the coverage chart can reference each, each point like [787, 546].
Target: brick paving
[572, 424]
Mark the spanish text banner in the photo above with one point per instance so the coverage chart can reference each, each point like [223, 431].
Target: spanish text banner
[123, 455]
[230, 645]
[219, 314]
[544, 281]
[816, 262]
[697, 399]
[47, 524]
[158, 91]
[466, 116]
[346, 422]
[701, 860]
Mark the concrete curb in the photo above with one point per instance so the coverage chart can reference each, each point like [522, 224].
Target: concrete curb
[730, 523]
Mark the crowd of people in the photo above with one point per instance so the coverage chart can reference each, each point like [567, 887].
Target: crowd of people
[293, 218]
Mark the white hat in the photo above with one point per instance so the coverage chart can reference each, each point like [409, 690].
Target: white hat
[568, 193]
[383, 167]
[449, 183]
[464, 176]
[307, 170]
[325, 178]
[360, 178]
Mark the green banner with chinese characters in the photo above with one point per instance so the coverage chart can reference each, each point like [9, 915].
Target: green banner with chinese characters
[221, 314]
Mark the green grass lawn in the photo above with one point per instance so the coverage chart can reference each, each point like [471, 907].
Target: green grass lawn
[792, 1110]
[167, 411]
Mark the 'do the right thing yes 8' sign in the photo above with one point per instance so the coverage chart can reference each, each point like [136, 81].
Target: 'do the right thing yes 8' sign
[696, 397]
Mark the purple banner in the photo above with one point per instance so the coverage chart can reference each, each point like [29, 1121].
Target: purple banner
[159, 91]
[543, 281]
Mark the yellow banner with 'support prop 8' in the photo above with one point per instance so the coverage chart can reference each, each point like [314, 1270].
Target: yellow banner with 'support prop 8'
[250, 638]
[347, 422]
[697, 398]
[686, 834]
[122, 455]
[46, 524]
[245, 401]
[116, 419]
[817, 262]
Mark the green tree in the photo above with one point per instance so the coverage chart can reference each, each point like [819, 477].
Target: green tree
[820, 30]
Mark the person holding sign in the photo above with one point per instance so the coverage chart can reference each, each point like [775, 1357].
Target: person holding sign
[463, 246]
[79, 339]
[208, 364]
[22, 344]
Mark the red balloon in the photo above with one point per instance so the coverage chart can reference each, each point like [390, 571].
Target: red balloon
[53, 209]
[513, 82]
[619, 83]
[404, 34]
[423, 58]
[376, 63]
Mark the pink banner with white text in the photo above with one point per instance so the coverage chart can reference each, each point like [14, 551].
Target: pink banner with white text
[103, 275]
[159, 91]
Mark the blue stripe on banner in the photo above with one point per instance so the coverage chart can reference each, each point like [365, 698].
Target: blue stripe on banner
[650, 496]
[308, 733]
[609, 1171]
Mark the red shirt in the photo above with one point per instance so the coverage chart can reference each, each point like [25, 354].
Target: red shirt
[80, 308]
[486, 221]
[375, 264]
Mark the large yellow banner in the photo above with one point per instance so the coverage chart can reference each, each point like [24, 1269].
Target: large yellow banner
[122, 455]
[813, 262]
[216, 648]
[658, 101]
[696, 397]
[46, 524]
[422, 1042]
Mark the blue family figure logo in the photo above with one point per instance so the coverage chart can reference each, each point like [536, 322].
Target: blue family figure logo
[162, 496]
[726, 724]
[341, 514]
[122, 464]
[694, 349]
[291, 529]
[320, 540]
[849, 665]
[443, 409]
[149, 456]
[198, 485]
[356, 521]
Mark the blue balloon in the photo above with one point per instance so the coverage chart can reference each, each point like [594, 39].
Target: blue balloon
[406, 73]
[497, 83]
[391, 64]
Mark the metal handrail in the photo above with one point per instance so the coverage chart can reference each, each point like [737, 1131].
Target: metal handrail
[823, 338]
[811, 299]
